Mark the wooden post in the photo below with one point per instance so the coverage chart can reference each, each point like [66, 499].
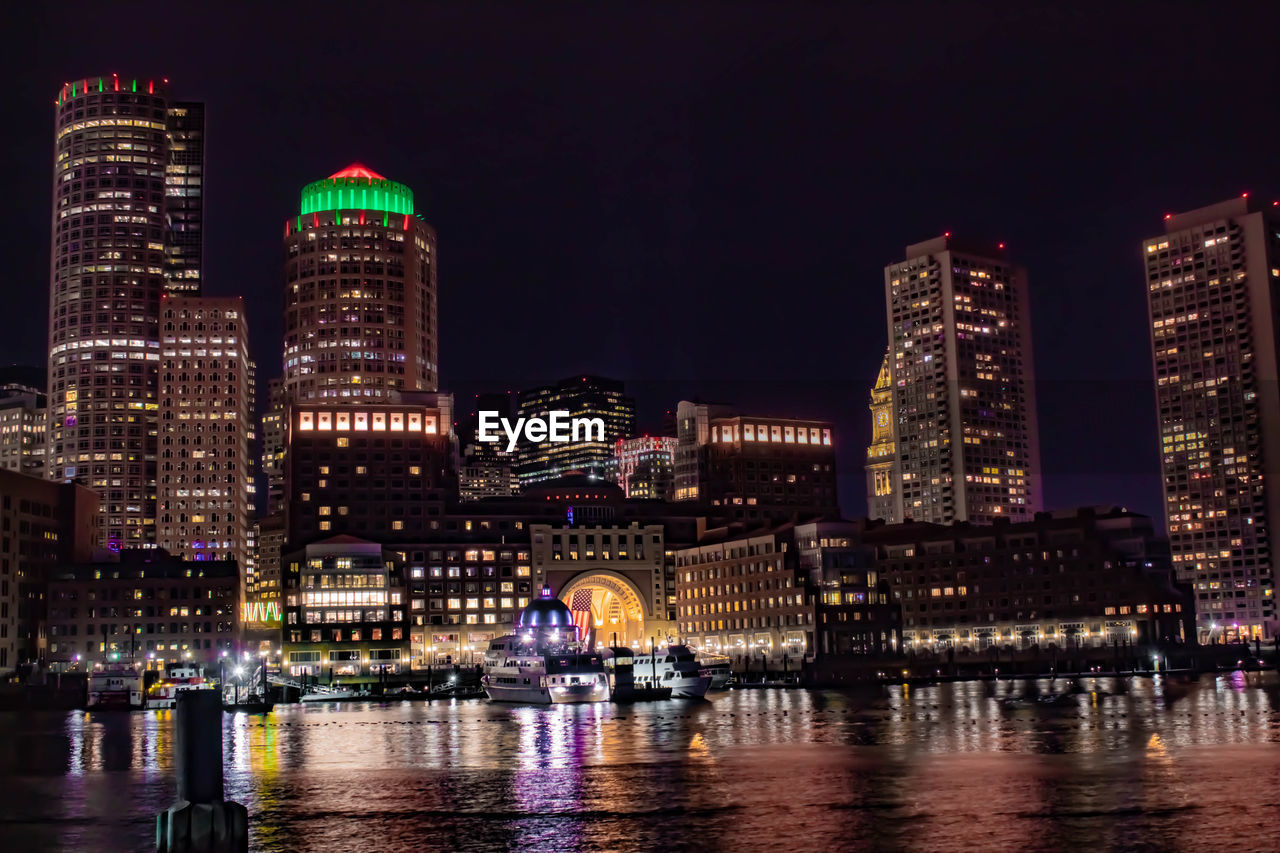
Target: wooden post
[201, 821]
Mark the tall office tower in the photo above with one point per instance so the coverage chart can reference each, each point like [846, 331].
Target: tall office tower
[1212, 284]
[24, 418]
[360, 291]
[184, 200]
[273, 446]
[581, 397]
[205, 467]
[372, 468]
[488, 470]
[645, 467]
[693, 434]
[883, 476]
[107, 274]
[761, 468]
[963, 384]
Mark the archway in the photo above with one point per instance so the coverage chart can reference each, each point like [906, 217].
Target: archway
[617, 608]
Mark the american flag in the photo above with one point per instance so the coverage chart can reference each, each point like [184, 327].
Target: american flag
[580, 606]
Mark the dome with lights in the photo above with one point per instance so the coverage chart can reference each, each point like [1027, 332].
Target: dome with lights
[356, 187]
[546, 611]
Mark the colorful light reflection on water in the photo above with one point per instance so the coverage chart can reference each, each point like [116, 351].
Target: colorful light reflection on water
[1107, 765]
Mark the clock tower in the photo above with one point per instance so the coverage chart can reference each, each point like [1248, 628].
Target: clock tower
[883, 477]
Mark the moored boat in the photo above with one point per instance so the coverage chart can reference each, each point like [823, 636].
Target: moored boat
[676, 667]
[544, 662]
[718, 667]
[114, 688]
[164, 693]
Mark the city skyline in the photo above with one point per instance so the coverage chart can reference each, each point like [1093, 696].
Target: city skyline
[1074, 228]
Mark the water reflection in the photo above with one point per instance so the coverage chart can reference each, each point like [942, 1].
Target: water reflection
[1102, 762]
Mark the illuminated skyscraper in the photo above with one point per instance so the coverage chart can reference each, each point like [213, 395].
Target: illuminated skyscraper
[112, 158]
[581, 397]
[360, 291]
[1212, 282]
[273, 446]
[184, 200]
[645, 466]
[883, 477]
[206, 406]
[963, 384]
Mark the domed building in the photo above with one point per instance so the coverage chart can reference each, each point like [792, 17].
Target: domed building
[545, 612]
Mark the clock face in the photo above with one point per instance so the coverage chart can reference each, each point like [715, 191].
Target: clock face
[882, 418]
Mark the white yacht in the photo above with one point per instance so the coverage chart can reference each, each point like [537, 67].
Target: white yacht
[676, 667]
[718, 667]
[544, 663]
[164, 693]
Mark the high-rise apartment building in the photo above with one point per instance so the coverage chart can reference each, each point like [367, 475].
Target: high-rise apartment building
[23, 420]
[184, 200]
[206, 405]
[645, 466]
[1212, 290]
[114, 151]
[360, 291]
[372, 469]
[581, 397]
[693, 434]
[883, 476]
[273, 446]
[754, 467]
[963, 384]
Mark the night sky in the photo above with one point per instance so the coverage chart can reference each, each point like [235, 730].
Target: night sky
[701, 201]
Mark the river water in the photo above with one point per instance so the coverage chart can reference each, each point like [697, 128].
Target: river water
[1124, 765]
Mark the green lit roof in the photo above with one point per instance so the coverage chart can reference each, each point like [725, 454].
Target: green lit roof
[356, 188]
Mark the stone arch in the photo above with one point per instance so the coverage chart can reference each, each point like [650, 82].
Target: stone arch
[618, 606]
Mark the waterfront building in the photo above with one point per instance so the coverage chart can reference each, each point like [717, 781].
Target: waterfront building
[23, 423]
[783, 596]
[145, 607]
[471, 569]
[740, 593]
[644, 467]
[45, 524]
[590, 455]
[374, 469]
[1212, 281]
[344, 613]
[753, 468]
[623, 568]
[962, 383]
[884, 477]
[117, 141]
[360, 294]
[1089, 577]
[205, 488]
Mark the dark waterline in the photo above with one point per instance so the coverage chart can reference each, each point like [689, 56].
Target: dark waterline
[1131, 764]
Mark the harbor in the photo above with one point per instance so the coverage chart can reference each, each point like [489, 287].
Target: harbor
[885, 766]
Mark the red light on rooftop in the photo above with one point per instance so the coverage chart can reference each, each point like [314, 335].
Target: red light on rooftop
[1002, 245]
[946, 233]
[1168, 216]
[355, 170]
[1244, 195]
